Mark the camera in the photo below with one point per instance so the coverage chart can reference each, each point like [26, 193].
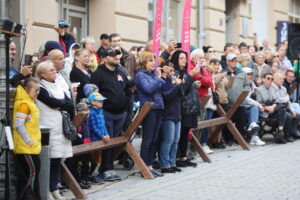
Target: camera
[229, 73]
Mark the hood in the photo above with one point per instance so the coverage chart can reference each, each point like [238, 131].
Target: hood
[70, 49]
[22, 95]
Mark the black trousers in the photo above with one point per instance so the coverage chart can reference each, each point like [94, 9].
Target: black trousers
[239, 119]
[55, 168]
[183, 142]
[28, 179]
[225, 132]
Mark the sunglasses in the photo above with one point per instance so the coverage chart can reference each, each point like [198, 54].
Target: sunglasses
[269, 78]
[276, 56]
[211, 51]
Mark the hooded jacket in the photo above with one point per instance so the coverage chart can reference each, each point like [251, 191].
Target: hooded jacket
[32, 125]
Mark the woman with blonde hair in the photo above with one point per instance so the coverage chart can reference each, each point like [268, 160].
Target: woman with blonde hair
[243, 60]
[88, 43]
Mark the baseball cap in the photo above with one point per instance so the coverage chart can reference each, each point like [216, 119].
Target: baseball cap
[95, 96]
[104, 36]
[63, 23]
[248, 70]
[230, 56]
[50, 45]
[110, 52]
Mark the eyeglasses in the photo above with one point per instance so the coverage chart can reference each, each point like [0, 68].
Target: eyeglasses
[276, 56]
[250, 74]
[211, 51]
[269, 78]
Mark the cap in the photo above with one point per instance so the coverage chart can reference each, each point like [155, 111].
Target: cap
[63, 23]
[89, 88]
[95, 96]
[110, 52]
[50, 45]
[104, 36]
[230, 56]
[248, 70]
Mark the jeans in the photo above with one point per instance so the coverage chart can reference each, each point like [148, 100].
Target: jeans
[204, 135]
[151, 126]
[296, 107]
[252, 114]
[114, 124]
[55, 167]
[168, 147]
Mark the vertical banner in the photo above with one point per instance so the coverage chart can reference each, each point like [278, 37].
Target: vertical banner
[282, 31]
[157, 30]
[185, 31]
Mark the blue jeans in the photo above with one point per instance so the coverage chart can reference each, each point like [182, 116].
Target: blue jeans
[114, 124]
[150, 128]
[204, 135]
[168, 147]
[252, 114]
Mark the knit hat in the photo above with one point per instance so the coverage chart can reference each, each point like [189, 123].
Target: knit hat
[89, 88]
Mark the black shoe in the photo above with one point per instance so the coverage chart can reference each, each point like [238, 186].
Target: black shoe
[156, 173]
[176, 169]
[156, 164]
[289, 139]
[296, 135]
[279, 138]
[180, 163]
[217, 145]
[229, 143]
[84, 184]
[167, 170]
[190, 164]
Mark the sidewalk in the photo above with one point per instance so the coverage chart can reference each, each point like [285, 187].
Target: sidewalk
[269, 172]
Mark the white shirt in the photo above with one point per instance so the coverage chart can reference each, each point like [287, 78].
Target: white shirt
[60, 80]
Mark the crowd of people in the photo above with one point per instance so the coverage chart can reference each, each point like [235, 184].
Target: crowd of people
[70, 77]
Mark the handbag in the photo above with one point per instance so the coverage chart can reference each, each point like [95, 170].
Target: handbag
[69, 130]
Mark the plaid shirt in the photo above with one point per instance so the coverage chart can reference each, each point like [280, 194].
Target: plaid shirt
[97, 124]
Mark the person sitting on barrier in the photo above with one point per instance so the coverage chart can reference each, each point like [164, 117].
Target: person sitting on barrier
[267, 97]
[284, 100]
[252, 109]
[239, 85]
[148, 85]
[27, 138]
[171, 124]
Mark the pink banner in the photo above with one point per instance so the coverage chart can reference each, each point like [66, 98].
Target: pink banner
[157, 30]
[185, 31]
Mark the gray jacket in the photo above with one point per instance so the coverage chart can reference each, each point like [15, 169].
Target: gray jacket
[239, 85]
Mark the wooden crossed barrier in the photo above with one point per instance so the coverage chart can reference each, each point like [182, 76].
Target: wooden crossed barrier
[224, 120]
[121, 141]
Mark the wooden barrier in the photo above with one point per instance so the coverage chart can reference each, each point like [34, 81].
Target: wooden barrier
[121, 141]
[225, 120]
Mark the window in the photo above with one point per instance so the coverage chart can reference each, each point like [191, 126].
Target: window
[75, 12]
[294, 11]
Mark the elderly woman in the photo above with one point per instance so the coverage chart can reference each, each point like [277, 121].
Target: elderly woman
[88, 43]
[51, 100]
[243, 60]
[259, 67]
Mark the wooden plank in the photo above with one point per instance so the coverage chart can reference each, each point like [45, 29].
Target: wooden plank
[200, 150]
[138, 119]
[99, 145]
[236, 134]
[212, 122]
[71, 182]
[205, 100]
[237, 104]
[138, 161]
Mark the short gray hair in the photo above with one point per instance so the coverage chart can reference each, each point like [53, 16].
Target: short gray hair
[196, 52]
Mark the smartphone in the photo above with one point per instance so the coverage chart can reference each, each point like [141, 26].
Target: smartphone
[28, 60]
[178, 45]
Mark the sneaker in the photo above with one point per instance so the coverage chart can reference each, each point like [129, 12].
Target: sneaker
[114, 175]
[61, 187]
[189, 163]
[156, 164]
[107, 176]
[180, 163]
[217, 145]
[253, 127]
[255, 141]
[176, 169]
[95, 180]
[156, 173]
[57, 196]
[207, 149]
[279, 138]
[168, 170]
[84, 184]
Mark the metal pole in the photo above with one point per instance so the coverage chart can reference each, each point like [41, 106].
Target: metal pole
[201, 33]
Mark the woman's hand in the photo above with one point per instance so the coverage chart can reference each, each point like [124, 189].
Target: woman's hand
[106, 139]
[194, 71]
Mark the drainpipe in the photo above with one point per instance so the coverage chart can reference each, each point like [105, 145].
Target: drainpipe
[201, 33]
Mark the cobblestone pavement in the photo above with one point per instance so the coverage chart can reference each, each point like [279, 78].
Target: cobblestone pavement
[269, 172]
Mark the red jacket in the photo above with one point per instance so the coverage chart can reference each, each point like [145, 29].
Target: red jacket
[206, 81]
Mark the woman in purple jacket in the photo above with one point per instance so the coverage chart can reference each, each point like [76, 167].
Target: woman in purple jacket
[148, 85]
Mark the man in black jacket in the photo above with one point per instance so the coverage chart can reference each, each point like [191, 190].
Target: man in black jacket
[114, 85]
